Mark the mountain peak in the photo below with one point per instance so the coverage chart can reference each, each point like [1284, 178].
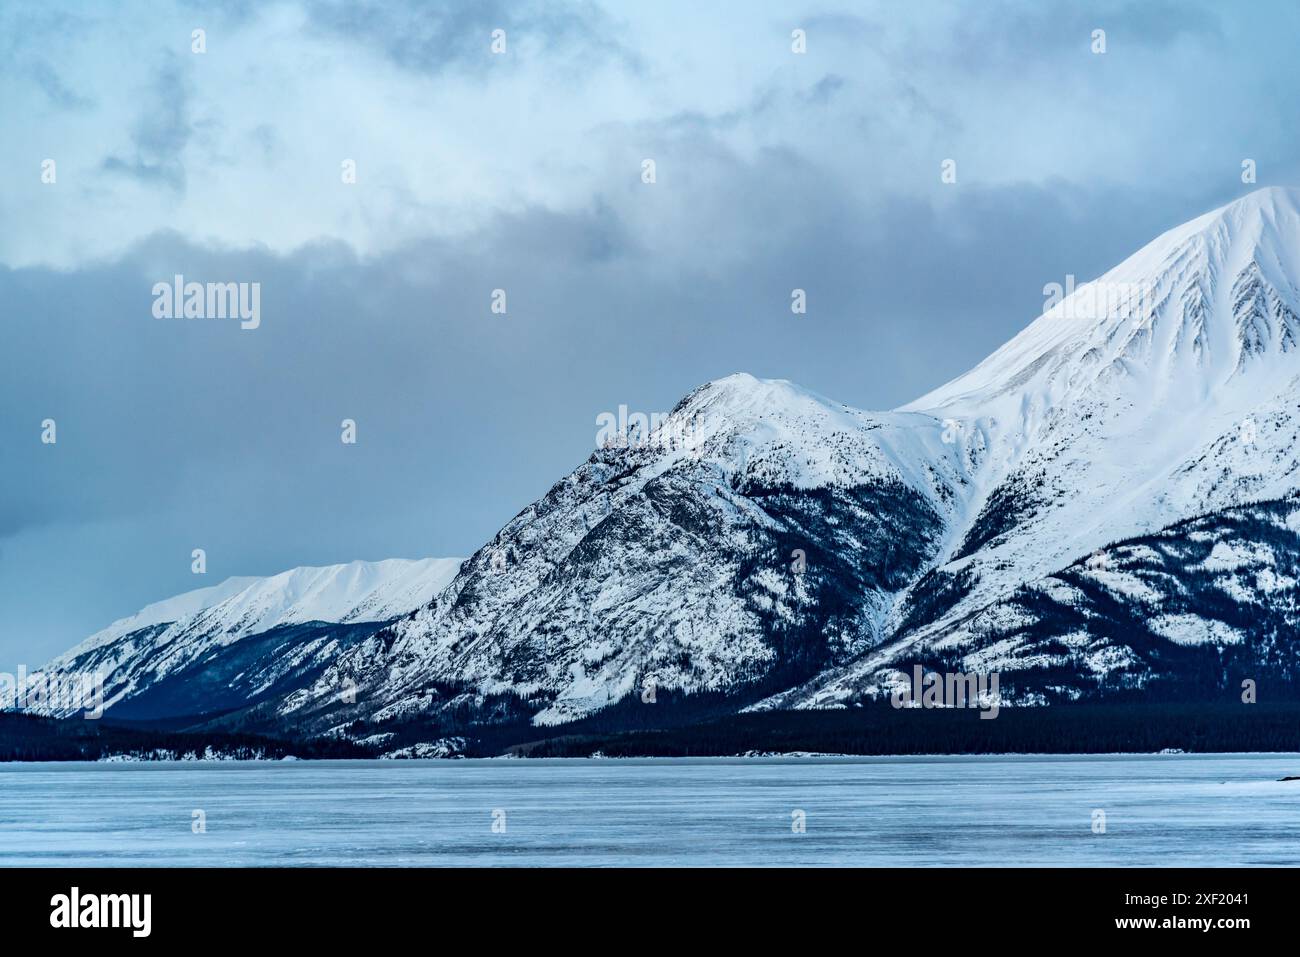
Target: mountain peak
[1267, 202]
[1198, 305]
[759, 413]
[1264, 223]
[744, 388]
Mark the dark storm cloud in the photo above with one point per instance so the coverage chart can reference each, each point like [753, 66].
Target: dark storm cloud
[775, 172]
[195, 433]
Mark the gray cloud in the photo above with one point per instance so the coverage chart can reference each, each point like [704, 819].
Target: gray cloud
[161, 132]
[182, 434]
[1011, 36]
[431, 38]
[54, 87]
[782, 172]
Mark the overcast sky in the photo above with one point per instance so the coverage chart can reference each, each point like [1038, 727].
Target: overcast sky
[522, 171]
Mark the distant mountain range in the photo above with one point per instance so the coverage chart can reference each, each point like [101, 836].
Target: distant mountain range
[1106, 506]
[246, 639]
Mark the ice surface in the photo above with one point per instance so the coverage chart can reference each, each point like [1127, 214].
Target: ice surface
[1168, 810]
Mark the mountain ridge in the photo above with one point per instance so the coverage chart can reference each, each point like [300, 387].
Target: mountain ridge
[171, 635]
[767, 543]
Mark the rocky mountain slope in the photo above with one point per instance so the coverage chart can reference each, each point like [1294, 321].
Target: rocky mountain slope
[1105, 505]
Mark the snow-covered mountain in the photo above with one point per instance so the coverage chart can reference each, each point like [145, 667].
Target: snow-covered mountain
[653, 562]
[1164, 389]
[796, 552]
[1108, 502]
[210, 627]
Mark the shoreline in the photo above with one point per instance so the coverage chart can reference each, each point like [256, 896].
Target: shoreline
[774, 756]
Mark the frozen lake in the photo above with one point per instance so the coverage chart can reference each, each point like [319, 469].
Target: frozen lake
[1200, 810]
